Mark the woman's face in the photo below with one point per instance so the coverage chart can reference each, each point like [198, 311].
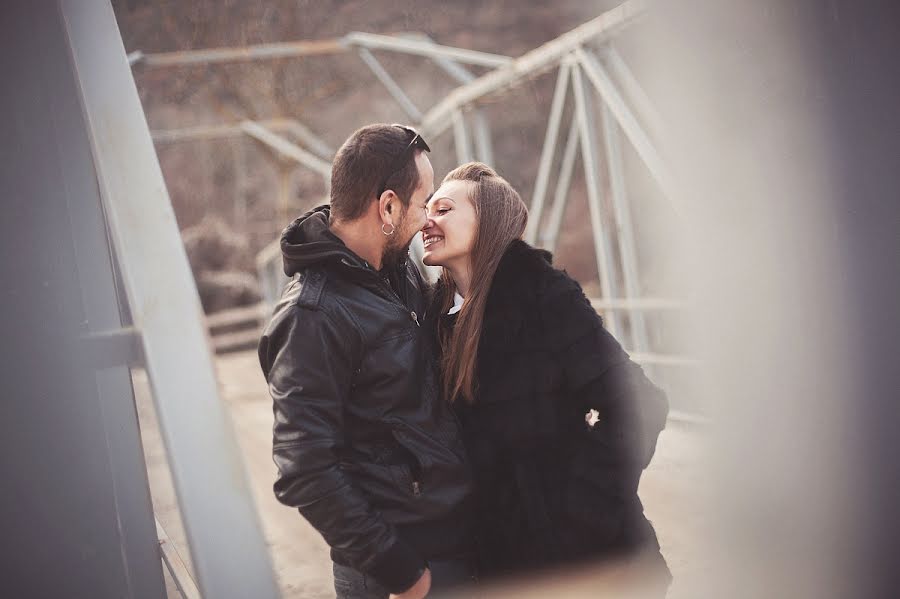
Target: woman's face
[450, 226]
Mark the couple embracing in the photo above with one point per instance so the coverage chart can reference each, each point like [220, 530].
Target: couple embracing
[437, 435]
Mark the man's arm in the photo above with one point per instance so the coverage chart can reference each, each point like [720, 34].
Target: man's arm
[309, 361]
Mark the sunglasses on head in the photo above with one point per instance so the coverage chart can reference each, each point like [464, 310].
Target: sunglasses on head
[417, 142]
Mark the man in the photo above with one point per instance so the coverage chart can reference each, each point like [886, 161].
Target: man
[365, 448]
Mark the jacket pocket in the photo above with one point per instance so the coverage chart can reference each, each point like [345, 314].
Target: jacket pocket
[420, 463]
[441, 478]
[391, 484]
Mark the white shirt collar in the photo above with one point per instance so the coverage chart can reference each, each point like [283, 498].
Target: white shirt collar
[457, 303]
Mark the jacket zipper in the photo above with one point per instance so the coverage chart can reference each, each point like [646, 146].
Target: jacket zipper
[412, 314]
[390, 290]
[416, 484]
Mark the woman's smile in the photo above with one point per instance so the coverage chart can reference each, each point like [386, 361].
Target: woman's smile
[429, 239]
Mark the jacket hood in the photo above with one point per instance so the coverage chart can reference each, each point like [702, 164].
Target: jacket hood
[308, 241]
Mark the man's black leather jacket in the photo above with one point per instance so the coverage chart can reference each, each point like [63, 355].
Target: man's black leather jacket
[362, 441]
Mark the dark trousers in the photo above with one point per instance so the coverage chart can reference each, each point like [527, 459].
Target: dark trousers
[446, 575]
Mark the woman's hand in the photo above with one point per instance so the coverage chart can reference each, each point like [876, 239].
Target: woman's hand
[418, 590]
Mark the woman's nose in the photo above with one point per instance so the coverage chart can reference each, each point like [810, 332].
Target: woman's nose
[428, 223]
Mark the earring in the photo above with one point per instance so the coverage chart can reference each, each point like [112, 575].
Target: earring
[388, 233]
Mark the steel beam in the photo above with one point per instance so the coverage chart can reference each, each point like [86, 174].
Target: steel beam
[625, 230]
[603, 247]
[286, 148]
[309, 139]
[208, 132]
[371, 41]
[455, 70]
[177, 569]
[548, 152]
[241, 53]
[530, 64]
[430, 49]
[484, 150]
[230, 130]
[239, 210]
[563, 184]
[461, 138]
[634, 91]
[393, 88]
[630, 126]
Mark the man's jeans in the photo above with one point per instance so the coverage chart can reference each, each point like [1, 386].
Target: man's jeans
[457, 576]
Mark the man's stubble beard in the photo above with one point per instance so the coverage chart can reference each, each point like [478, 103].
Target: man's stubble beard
[395, 250]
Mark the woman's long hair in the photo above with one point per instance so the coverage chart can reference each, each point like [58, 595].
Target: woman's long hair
[500, 218]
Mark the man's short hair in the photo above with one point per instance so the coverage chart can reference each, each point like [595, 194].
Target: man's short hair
[363, 164]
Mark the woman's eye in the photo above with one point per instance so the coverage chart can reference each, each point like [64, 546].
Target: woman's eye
[443, 210]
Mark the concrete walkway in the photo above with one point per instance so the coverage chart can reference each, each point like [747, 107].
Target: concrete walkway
[672, 489]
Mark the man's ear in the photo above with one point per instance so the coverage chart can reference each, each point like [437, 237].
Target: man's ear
[387, 207]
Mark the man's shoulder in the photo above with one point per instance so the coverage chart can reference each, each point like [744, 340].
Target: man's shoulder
[312, 295]
[305, 296]
[304, 289]
[310, 287]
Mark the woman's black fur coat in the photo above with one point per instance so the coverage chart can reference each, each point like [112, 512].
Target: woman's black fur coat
[550, 489]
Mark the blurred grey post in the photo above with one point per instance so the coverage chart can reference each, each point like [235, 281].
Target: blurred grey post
[785, 121]
[229, 554]
[75, 509]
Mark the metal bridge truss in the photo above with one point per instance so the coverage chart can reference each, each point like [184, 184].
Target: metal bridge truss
[589, 70]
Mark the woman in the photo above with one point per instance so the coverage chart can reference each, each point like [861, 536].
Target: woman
[524, 359]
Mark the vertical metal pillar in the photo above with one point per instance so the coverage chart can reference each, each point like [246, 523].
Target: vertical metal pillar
[484, 150]
[627, 246]
[548, 152]
[630, 126]
[461, 138]
[284, 190]
[563, 184]
[603, 246]
[238, 158]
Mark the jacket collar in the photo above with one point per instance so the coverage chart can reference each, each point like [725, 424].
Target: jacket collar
[514, 292]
